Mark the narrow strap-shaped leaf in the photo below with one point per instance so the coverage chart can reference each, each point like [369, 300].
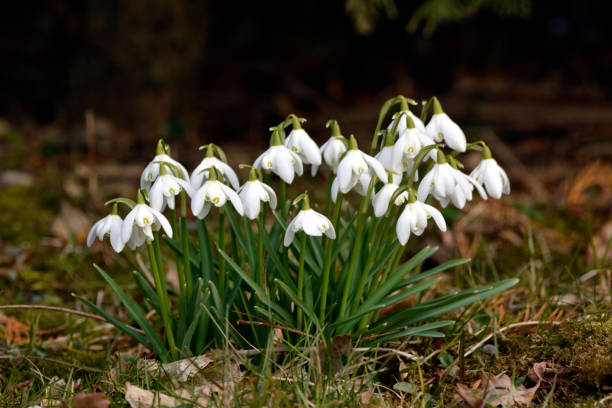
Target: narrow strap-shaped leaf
[138, 316]
[430, 272]
[186, 341]
[307, 311]
[206, 256]
[178, 250]
[239, 234]
[147, 290]
[413, 331]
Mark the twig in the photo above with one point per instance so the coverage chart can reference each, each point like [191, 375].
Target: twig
[62, 310]
[50, 360]
[503, 329]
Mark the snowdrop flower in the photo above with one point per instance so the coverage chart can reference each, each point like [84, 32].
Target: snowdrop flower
[198, 176]
[333, 149]
[441, 127]
[309, 221]
[464, 185]
[139, 224]
[491, 175]
[413, 219]
[409, 144]
[300, 143]
[352, 167]
[253, 192]
[280, 160]
[151, 171]
[214, 192]
[439, 181]
[109, 225]
[165, 188]
[388, 160]
[403, 115]
[381, 200]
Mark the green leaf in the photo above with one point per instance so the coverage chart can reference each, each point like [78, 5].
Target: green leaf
[445, 359]
[414, 331]
[307, 311]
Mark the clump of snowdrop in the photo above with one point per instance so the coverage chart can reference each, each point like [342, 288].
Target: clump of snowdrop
[442, 128]
[491, 175]
[111, 226]
[213, 193]
[151, 171]
[253, 192]
[293, 272]
[280, 160]
[199, 176]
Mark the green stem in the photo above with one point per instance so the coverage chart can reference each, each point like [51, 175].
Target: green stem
[300, 287]
[282, 188]
[329, 249]
[354, 253]
[261, 229]
[185, 240]
[221, 244]
[206, 260]
[176, 234]
[163, 300]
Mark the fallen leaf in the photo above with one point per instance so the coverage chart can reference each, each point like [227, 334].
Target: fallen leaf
[545, 371]
[95, 400]
[141, 398]
[496, 390]
[181, 370]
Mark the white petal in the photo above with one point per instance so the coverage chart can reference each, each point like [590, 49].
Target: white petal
[231, 194]
[127, 226]
[91, 237]
[436, 215]
[271, 195]
[375, 165]
[425, 186]
[402, 228]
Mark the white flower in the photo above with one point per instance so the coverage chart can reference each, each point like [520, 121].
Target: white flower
[279, 160]
[198, 176]
[151, 171]
[408, 146]
[252, 193]
[387, 159]
[464, 185]
[439, 182]
[441, 127]
[312, 223]
[353, 166]
[492, 176]
[300, 143]
[214, 192]
[109, 225]
[165, 188]
[403, 122]
[414, 219]
[139, 224]
[383, 196]
[331, 151]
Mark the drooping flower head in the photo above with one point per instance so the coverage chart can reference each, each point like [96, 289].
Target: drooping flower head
[151, 171]
[409, 144]
[382, 198]
[213, 193]
[198, 176]
[279, 160]
[352, 167]
[109, 225]
[334, 148]
[140, 223]
[253, 192]
[402, 118]
[491, 175]
[439, 181]
[301, 144]
[386, 157]
[413, 218]
[165, 188]
[309, 221]
[442, 128]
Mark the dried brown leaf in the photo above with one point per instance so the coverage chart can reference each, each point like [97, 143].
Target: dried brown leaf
[496, 390]
[545, 371]
[95, 400]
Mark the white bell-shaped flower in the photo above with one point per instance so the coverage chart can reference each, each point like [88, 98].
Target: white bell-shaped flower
[109, 225]
[300, 143]
[403, 117]
[409, 144]
[252, 193]
[464, 186]
[311, 222]
[439, 181]
[280, 160]
[151, 171]
[390, 162]
[491, 175]
[164, 190]
[442, 128]
[140, 223]
[333, 149]
[353, 166]
[198, 176]
[214, 193]
[382, 198]
[413, 219]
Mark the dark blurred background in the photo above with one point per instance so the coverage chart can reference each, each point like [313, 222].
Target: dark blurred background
[198, 71]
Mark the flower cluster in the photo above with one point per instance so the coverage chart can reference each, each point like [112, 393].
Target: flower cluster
[407, 144]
